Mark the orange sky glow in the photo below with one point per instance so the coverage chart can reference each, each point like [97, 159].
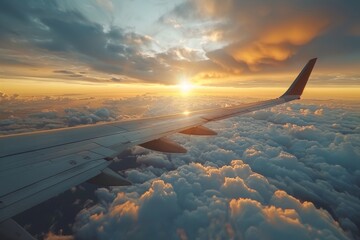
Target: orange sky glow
[220, 48]
[37, 88]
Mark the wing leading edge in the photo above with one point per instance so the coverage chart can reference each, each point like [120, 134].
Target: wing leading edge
[37, 166]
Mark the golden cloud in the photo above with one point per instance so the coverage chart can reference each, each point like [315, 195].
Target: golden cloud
[278, 42]
[126, 209]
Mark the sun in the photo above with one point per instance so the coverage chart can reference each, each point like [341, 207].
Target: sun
[185, 86]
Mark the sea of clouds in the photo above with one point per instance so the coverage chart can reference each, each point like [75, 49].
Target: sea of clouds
[288, 172]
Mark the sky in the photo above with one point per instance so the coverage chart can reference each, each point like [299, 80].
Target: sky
[119, 47]
[287, 172]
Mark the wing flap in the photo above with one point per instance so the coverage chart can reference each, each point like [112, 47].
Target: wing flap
[108, 177]
[199, 130]
[164, 145]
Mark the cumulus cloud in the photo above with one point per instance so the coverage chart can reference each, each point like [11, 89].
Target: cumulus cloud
[294, 180]
[25, 114]
[52, 236]
[273, 173]
[200, 201]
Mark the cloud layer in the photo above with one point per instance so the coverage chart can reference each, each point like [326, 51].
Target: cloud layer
[207, 202]
[291, 170]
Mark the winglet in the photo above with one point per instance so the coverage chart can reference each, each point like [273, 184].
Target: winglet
[297, 87]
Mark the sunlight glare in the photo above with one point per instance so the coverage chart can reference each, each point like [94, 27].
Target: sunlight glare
[185, 86]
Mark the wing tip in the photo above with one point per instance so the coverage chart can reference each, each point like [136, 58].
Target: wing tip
[297, 87]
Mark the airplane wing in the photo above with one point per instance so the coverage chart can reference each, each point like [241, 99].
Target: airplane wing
[39, 165]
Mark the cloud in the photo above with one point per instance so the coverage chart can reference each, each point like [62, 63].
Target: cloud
[69, 73]
[66, 37]
[274, 172]
[214, 41]
[52, 236]
[261, 36]
[154, 159]
[286, 185]
[25, 114]
[192, 201]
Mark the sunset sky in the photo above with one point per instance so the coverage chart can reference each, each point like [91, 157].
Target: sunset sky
[118, 47]
[290, 171]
